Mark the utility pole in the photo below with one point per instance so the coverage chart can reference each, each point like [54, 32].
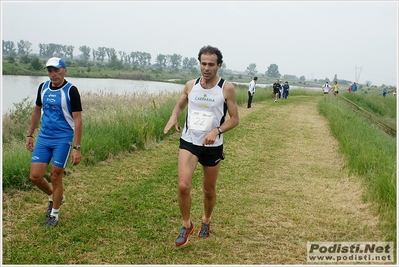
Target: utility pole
[357, 76]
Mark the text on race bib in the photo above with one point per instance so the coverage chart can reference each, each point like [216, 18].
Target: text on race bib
[201, 120]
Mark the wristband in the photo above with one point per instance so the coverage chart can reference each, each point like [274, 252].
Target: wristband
[29, 136]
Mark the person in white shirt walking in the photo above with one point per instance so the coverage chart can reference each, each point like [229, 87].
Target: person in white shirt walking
[251, 91]
[326, 88]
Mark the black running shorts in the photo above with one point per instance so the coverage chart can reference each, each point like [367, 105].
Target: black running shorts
[207, 156]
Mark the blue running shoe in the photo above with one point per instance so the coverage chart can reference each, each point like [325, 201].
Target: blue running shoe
[184, 235]
[205, 229]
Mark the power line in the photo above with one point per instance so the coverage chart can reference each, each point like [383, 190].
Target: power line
[357, 75]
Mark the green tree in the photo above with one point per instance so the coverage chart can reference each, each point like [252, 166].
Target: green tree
[9, 48]
[115, 63]
[110, 53]
[272, 71]
[161, 60]
[189, 63]
[37, 64]
[10, 59]
[175, 61]
[25, 59]
[100, 54]
[68, 51]
[223, 69]
[193, 63]
[51, 50]
[302, 78]
[251, 69]
[134, 58]
[85, 52]
[24, 48]
[123, 56]
[185, 63]
[94, 54]
[144, 59]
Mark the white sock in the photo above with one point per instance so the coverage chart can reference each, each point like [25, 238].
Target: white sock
[54, 212]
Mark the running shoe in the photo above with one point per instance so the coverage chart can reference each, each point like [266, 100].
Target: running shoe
[51, 221]
[50, 206]
[205, 229]
[184, 235]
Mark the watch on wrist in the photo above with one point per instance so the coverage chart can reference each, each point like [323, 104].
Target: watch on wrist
[220, 130]
[76, 148]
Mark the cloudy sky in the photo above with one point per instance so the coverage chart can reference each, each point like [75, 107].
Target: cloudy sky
[314, 39]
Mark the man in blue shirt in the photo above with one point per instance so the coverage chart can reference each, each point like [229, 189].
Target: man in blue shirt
[286, 88]
[58, 106]
[354, 87]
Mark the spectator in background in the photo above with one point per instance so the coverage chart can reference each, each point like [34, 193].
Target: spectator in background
[326, 88]
[276, 89]
[354, 87]
[286, 89]
[336, 89]
[384, 92]
[251, 91]
[394, 92]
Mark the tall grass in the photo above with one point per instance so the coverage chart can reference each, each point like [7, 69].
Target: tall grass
[128, 218]
[123, 123]
[370, 153]
[383, 107]
[112, 124]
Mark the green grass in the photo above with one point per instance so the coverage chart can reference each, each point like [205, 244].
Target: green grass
[284, 182]
[112, 124]
[274, 195]
[369, 152]
[384, 108]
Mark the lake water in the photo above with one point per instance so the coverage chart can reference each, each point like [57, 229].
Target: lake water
[15, 88]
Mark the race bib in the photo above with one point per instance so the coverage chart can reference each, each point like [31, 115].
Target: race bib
[201, 120]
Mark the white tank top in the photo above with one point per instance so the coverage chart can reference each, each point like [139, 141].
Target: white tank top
[206, 110]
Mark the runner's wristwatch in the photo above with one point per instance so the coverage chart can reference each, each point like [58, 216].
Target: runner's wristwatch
[220, 130]
[76, 148]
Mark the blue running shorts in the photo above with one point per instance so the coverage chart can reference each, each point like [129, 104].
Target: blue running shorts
[57, 149]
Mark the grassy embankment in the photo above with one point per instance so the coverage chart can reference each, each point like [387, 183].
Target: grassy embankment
[283, 172]
[368, 151]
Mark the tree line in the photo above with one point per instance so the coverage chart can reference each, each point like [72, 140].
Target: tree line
[110, 55]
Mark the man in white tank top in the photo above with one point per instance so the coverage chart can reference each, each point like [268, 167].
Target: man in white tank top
[208, 98]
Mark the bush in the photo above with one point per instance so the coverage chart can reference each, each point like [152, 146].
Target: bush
[16, 122]
[37, 64]
[25, 59]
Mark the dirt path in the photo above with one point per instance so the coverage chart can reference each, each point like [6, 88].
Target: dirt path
[282, 184]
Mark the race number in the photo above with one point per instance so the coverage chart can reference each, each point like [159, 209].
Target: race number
[201, 120]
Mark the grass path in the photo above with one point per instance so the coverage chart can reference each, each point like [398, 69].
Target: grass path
[282, 184]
